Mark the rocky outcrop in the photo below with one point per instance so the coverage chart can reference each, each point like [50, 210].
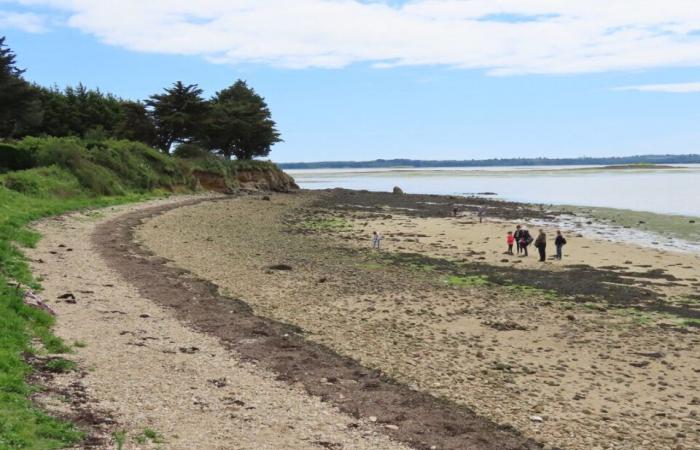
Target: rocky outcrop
[270, 179]
[257, 179]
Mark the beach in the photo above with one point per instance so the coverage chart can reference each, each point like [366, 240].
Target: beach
[598, 350]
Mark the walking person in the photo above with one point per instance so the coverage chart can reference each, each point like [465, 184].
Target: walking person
[525, 240]
[559, 242]
[377, 240]
[481, 212]
[517, 236]
[541, 245]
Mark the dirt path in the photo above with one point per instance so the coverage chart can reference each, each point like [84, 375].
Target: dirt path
[148, 370]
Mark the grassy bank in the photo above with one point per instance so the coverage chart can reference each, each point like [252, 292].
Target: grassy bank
[45, 177]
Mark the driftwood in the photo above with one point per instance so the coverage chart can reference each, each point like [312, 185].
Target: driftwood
[33, 299]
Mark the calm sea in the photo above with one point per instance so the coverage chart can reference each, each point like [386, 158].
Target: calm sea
[668, 191]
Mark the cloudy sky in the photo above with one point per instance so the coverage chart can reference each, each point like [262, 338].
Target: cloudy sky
[427, 79]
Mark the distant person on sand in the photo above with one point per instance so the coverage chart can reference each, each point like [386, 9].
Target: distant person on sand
[525, 240]
[509, 240]
[518, 235]
[455, 211]
[377, 240]
[541, 245]
[481, 212]
[559, 242]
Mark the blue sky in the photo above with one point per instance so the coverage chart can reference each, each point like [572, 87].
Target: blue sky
[522, 80]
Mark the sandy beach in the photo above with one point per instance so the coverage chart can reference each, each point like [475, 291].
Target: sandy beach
[598, 350]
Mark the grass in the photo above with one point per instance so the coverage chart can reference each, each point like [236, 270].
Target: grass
[149, 435]
[66, 175]
[467, 281]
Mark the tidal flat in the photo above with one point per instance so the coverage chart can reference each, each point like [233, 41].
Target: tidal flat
[596, 351]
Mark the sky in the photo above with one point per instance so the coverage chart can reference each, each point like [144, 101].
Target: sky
[420, 79]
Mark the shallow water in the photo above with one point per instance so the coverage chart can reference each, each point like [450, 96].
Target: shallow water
[665, 191]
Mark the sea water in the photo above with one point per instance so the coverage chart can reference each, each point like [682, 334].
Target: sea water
[665, 191]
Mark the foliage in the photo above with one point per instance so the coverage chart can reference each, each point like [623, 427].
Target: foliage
[18, 108]
[240, 123]
[235, 122]
[178, 114]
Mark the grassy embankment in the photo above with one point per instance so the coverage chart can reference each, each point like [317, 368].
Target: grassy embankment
[44, 177]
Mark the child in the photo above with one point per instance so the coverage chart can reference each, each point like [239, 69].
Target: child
[510, 239]
[559, 242]
[376, 240]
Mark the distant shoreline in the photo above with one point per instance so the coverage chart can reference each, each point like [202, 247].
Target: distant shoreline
[645, 161]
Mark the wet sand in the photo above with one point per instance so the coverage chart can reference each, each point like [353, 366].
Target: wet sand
[597, 362]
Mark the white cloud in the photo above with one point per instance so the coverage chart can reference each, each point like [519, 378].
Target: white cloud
[549, 36]
[673, 88]
[29, 22]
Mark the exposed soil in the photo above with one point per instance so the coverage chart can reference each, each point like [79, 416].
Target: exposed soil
[407, 415]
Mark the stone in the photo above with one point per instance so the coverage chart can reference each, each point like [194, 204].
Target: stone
[397, 191]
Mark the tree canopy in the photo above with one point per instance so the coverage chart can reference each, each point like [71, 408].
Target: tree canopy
[235, 122]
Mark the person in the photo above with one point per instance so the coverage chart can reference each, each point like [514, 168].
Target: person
[525, 240]
[481, 212]
[509, 240]
[455, 211]
[559, 242]
[518, 235]
[377, 240]
[541, 245]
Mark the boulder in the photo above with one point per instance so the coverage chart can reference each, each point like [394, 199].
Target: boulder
[397, 191]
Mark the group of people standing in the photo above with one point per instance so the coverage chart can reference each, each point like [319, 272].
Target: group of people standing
[522, 239]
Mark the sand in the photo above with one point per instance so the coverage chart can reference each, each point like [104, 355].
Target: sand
[569, 374]
[141, 368]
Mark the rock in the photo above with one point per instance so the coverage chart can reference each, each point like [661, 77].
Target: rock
[639, 364]
[571, 317]
[536, 419]
[691, 221]
[397, 190]
[372, 418]
[266, 197]
[391, 427]
[280, 267]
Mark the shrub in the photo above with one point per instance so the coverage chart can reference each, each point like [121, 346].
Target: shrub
[190, 151]
[15, 158]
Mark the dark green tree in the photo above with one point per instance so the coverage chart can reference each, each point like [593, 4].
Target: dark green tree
[135, 123]
[19, 108]
[240, 123]
[178, 114]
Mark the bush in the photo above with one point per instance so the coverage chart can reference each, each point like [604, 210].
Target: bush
[190, 151]
[14, 158]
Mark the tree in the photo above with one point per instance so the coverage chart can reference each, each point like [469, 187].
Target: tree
[178, 114]
[18, 103]
[240, 123]
[135, 124]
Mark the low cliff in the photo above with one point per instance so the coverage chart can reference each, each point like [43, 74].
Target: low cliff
[252, 176]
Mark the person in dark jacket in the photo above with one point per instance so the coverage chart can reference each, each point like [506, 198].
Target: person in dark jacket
[517, 236]
[525, 240]
[541, 245]
[559, 242]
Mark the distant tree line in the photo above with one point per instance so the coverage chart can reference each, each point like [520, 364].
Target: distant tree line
[235, 122]
[505, 162]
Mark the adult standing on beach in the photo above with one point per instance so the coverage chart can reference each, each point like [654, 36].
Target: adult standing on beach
[481, 212]
[541, 245]
[518, 235]
[525, 240]
[559, 242]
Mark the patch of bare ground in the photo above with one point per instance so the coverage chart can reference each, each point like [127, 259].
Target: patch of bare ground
[156, 382]
[569, 374]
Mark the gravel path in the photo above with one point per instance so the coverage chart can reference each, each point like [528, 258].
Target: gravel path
[147, 370]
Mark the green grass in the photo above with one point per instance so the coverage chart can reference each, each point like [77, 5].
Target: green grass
[149, 435]
[467, 281]
[61, 365]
